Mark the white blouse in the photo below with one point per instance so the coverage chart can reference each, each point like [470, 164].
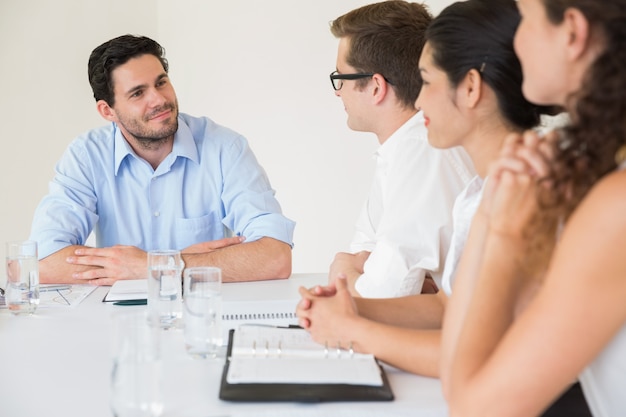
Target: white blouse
[465, 207]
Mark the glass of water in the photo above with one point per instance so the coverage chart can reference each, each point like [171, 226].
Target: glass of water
[165, 288]
[203, 311]
[22, 267]
[136, 379]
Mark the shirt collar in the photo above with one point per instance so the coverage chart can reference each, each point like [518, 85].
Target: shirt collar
[184, 145]
[390, 145]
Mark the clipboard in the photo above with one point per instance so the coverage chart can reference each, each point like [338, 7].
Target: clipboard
[299, 392]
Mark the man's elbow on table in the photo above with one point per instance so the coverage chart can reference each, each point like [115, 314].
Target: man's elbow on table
[279, 261]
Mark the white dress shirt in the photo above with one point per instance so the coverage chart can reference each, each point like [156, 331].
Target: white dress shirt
[406, 222]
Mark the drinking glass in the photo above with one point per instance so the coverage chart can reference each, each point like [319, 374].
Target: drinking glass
[22, 266]
[203, 311]
[165, 287]
[136, 374]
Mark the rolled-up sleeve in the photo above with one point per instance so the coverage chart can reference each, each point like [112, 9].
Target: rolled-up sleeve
[251, 208]
[67, 214]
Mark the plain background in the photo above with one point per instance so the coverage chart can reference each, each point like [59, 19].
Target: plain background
[258, 67]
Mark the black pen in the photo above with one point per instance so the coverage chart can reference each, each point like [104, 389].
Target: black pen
[130, 303]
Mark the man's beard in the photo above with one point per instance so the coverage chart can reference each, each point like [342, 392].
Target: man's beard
[151, 138]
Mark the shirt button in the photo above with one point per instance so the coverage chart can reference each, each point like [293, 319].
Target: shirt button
[157, 214]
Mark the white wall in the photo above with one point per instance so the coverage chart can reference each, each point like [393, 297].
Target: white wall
[260, 68]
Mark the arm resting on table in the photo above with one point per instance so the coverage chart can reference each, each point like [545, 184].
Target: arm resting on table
[266, 258]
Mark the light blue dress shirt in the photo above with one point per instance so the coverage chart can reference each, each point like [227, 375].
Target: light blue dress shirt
[209, 184]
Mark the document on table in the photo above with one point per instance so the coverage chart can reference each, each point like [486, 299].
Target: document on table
[284, 364]
[70, 297]
[128, 289]
[64, 296]
[289, 356]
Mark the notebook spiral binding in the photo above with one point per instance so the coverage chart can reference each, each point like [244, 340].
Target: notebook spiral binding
[266, 351]
[258, 316]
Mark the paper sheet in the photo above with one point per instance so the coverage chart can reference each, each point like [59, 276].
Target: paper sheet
[128, 289]
[268, 355]
[61, 298]
[290, 370]
[65, 298]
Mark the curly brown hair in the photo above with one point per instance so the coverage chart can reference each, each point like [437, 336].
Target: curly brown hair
[585, 150]
[588, 145]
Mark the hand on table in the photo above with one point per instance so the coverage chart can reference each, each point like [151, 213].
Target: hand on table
[109, 264]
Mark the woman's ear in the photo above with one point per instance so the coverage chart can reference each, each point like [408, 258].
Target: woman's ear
[106, 111]
[471, 88]
[576, 27]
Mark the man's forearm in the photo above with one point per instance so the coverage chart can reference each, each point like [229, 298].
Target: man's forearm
[266, 258]
[55, 269]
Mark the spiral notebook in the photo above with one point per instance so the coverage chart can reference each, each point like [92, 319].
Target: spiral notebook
[285, 364]
[278, 312]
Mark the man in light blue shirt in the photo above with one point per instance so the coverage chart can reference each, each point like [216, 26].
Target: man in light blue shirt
[156, 179]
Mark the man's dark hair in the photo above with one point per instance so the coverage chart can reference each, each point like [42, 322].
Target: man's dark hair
[111, 54]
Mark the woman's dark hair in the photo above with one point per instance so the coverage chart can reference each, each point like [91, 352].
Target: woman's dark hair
[478, 34]
[586, 150]
[111, 54]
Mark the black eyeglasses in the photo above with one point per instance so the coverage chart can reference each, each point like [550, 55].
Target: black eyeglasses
[336, 79]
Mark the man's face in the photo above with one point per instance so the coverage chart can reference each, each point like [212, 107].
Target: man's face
[354, 98]
[145, 107]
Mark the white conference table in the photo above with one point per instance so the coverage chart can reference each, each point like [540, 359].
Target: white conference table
[57, 362]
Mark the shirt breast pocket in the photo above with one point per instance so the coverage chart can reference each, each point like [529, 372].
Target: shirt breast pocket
[190, 231]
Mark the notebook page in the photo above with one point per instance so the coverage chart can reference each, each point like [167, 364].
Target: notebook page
[128, 289]
[263, 354]
[272, 312]
[298, 370]
[275, 341]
